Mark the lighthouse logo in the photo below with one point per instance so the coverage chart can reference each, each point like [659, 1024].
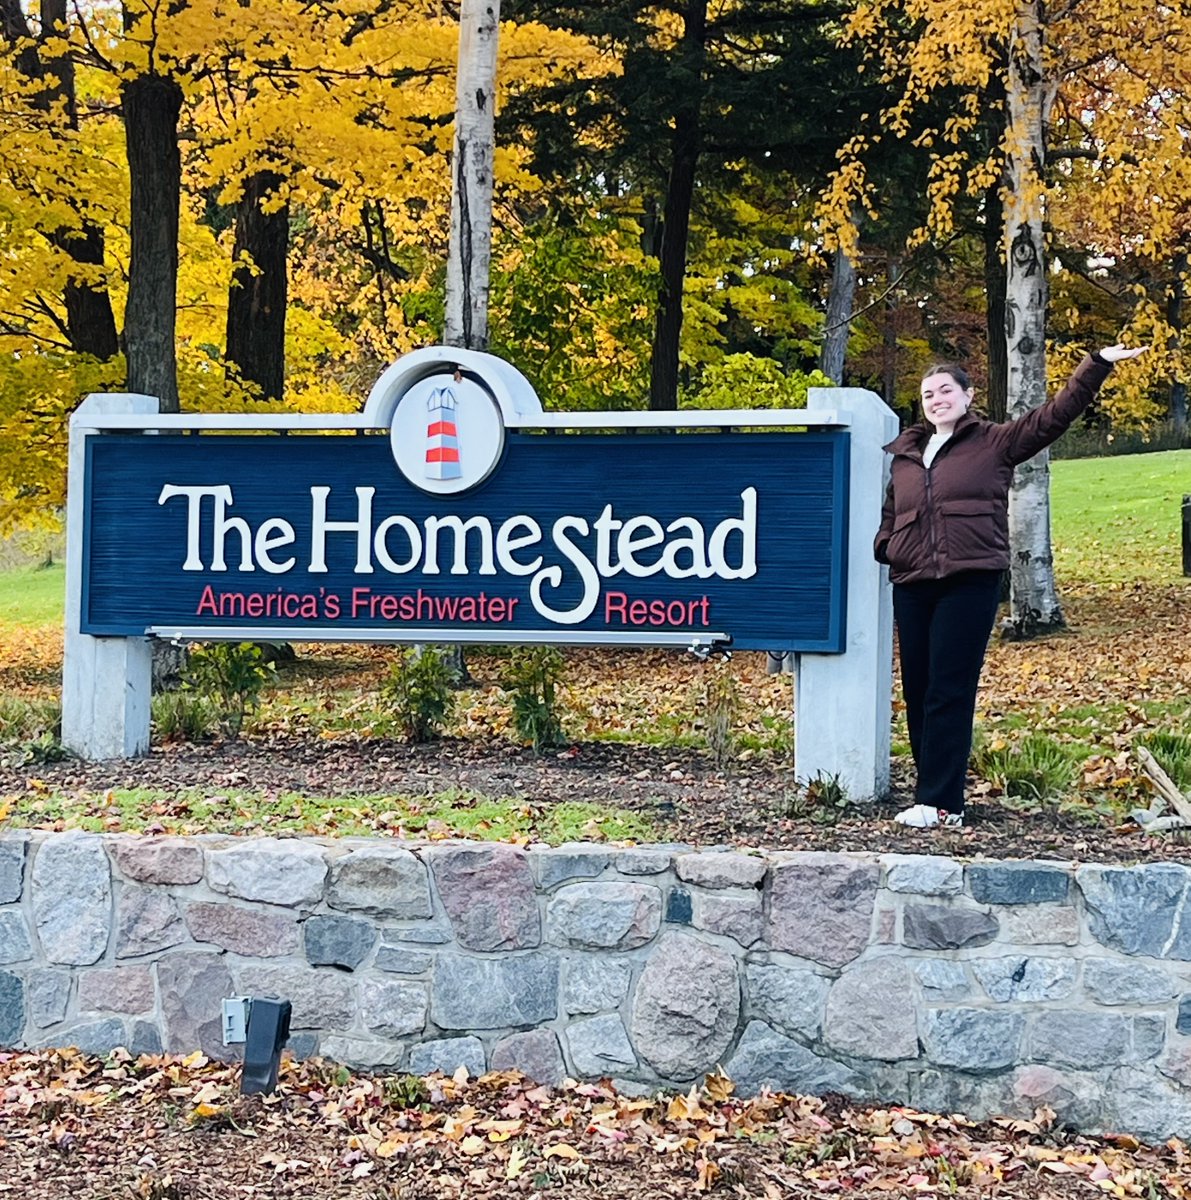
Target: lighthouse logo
[447, 434]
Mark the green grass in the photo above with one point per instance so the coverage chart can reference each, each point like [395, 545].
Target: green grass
[32, 596]
[1117, 519]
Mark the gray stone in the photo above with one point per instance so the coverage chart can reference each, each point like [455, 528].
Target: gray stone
[418, 935]
[766, 1059]
[790, 999]
[1076, 1100]
[604, 916]
[1109, 981]
[12, 866]
[871, 1013]
[952, 1092]
[488, 892]
[305, 1045]
[739, 917]
[337, 941]
[1146, 1106]
[1018, 883]
[600, 1046]
[923, 874]
[322, 999]
[560, 864]
[116, 989]
[942, 927]
[679, 908]
[367, 1054]
[92, 1037]
[494, 993]
[15, 946]
[1183, 1020]
[942, 980]
[387, 882]
[686, 1006]
[12, 1010]
[821, 906]
[1132, 909]
[49, 997]
[148, 920]
[157, 860]
[288, 872]
[393, 1008]
[595, 983]
[72, 899]
[1039, 925]
[397, 960]
[145, 1039]
[448, 1055]
[245, 931]
[973, 1039]
[1149, 1036]
[535, 1054]
[721, 870]
[1083, 1040]
[1019, 978]
[643, 862]
[192, 988]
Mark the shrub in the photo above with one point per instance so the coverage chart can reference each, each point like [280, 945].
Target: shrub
[1034, 771]
[721, 706]
[231, 677]
[419, 692]
[31, 730]
[183, 716]
[532, 676]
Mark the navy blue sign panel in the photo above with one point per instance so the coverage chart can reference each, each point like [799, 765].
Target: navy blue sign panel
[632, 535]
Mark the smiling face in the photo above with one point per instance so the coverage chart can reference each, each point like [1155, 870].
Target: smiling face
[944, 401]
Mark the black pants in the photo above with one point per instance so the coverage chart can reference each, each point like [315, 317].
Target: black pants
[943, 627]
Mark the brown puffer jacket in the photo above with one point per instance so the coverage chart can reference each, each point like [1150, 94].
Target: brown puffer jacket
[954, 516]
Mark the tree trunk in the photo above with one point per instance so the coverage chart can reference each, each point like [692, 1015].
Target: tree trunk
[1034, 602]
[469, 255]
[893, 273]
[840, 304]
[258, 296]
[676, 215]
[996, 396]
[152, 104]
[1174, 318]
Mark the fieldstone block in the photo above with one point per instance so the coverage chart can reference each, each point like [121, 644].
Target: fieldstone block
[386, 882]
[72, 899]
[393, 1008]
[686, 1006]
[305, 1045]
[364, 1054]
[973, 1039]
[738, 917]
[494, 993]
[15, 946]
[951, 1092]
[679, 909]
[1016, 978]
[535, 1054]
[1183, 1021]
[789, 999]
[1040, 925]
[12, 866]
[157, 860]
[242, 930]
[942, 980]
[91, 1037]
[765, 1058]
[12, 1010]
[942, 927]
[321, 999]
[1080, 1039]
[600, 1046]
[448, 1055]
[604, 916]
[1018, 883]
[1150, 1107]
[337, 941]
[1109, 981]
[1076, 1100]
[821, 906]
[1132, 909]
[870, 1012]
[116, 989]
[288, 873]
[148, 920]
[559, 864]
[488, 892]
[145, 1039]
[1176, 1064]
[49, 997]
[923, 874]
[643, 862]
[418, 935]
[397, 960]
[595, 983]
[192, 988]
[1149, 1036]
[721, 870]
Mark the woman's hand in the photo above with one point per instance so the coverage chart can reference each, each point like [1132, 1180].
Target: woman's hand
[1118, 353]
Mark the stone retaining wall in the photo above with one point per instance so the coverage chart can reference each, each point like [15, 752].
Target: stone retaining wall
[986, 987]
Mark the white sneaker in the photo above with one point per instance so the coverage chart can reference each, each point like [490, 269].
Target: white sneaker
[925, 816]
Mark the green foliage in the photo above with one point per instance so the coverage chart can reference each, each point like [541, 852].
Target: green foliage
[32, 596]
[532, 677]
[405, 1091]
[1036, 770]
[1173, 752]
[823, 799]
[231, 676]
[746, 381]
[30, 731]
[420, 692]
[721, 706]
[184, 716]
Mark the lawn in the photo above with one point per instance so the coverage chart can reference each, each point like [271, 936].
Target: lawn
[31, 597]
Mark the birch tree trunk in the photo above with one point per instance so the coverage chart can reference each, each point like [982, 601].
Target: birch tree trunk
[1034, 602]
[470, 252]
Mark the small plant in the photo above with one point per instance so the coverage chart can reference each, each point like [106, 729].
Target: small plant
[1035, 771]
[721, 706]
[420, 692]
[533, 676]
[823, 799]
[1173, 752]
[231, 676]
[183, 716]
[405, 1091]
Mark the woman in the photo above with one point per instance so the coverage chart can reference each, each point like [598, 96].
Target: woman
[945, 536]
